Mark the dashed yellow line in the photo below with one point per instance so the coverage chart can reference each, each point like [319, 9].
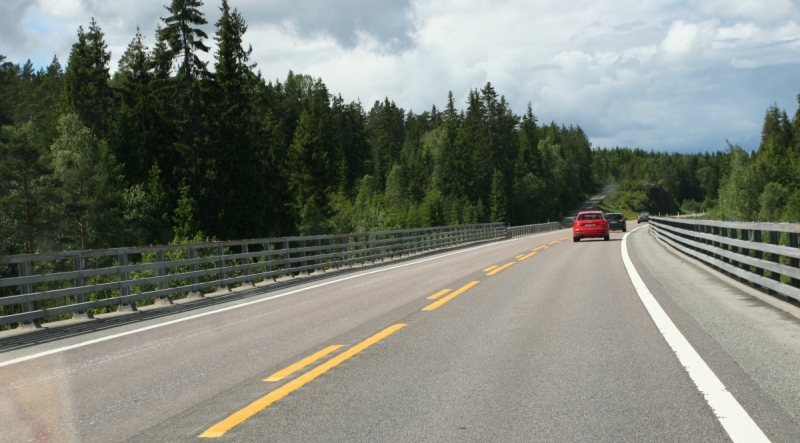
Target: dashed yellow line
[280, 375]
[528, 256]
[455, 294]
[489, 268]
[259, 405]
[554, 242]
[438, 294]
[540, 247]
[501, 268]
[518, 256]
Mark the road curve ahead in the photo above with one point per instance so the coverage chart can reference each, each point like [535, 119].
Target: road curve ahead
[531, 339]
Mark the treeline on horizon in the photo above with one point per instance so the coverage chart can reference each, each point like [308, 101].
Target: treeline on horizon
[762, 185]
[168, 149]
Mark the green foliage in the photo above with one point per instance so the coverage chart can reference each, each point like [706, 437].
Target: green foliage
[185, 217]
[88, 193]
[740, 189]
[166, 151]
[497, 198]
[27, 190]
[185, 38]
[634, 196]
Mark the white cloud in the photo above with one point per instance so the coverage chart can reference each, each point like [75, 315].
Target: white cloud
[662, 74]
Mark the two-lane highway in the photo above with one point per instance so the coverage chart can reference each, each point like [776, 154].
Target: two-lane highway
[530, 339]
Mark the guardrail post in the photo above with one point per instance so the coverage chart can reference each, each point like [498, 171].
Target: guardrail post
[77, 266]
[319, 252]
[287, 256]
[222, 288]
[794, 262]
[245, 262]
[193, 291]
[122, 261]
[268, 258]
[161, 271]
[27, 306]
[774, 238]
[759, 253]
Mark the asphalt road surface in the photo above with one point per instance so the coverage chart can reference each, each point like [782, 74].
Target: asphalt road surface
[554, 345]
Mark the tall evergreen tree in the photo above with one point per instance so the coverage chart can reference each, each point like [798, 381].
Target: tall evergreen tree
[185, 37]
[27, 192]
[86, 90]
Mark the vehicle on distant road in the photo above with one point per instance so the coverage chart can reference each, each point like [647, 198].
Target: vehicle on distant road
[616, 222]
[643, 217]
[590, 224]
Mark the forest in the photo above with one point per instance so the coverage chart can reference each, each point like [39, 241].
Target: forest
[170, 149]
[732, 184]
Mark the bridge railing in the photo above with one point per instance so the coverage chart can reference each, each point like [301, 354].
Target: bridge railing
[75, 281]
[764, 254]
[519, 231]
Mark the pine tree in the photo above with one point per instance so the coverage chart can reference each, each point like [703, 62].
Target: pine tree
[86, 90]
[497, 198]
[133, 135]
[90, 191]
[27, 192]
[185, 37]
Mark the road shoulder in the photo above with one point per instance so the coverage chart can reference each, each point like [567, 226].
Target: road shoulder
[752, 346]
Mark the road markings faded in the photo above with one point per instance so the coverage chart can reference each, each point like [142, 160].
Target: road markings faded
[438, 294]
[554, 242]
[501, 268]
[280, 375]
[455, 294]
[737, 423]
[259, 405]
[489, 268]
[528, 256]
[540, 247]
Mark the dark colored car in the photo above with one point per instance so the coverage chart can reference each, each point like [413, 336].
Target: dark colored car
[590, 224]
[616, 222]
[643, 216]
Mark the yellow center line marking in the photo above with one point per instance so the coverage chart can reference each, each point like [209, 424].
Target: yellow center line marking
[566, 238]
[518, 256]
[528, 256]
[554, 242]
[489, 268]
[540, 247]
[501, 268]
[262, 403]
[455, 294]
[438, 294]
[280, 375]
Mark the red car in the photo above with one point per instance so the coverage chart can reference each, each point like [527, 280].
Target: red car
[590, 224]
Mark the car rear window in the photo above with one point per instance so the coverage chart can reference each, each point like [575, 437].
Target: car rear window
[614, 216]
[590, 217]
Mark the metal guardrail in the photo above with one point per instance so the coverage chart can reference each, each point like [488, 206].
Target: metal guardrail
[765, 254]
[76, 281]
[518, 231]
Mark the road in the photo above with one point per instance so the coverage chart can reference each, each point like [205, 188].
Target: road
[557, 346]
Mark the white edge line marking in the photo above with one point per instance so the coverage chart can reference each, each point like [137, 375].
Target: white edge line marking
[740, 426]
[241, 305]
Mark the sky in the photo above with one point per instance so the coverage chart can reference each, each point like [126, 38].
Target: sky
[678, 76]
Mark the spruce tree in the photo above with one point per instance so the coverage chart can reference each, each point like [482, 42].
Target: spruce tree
[185, 37]
[497, 198]
[86, 90]
[27, 192]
